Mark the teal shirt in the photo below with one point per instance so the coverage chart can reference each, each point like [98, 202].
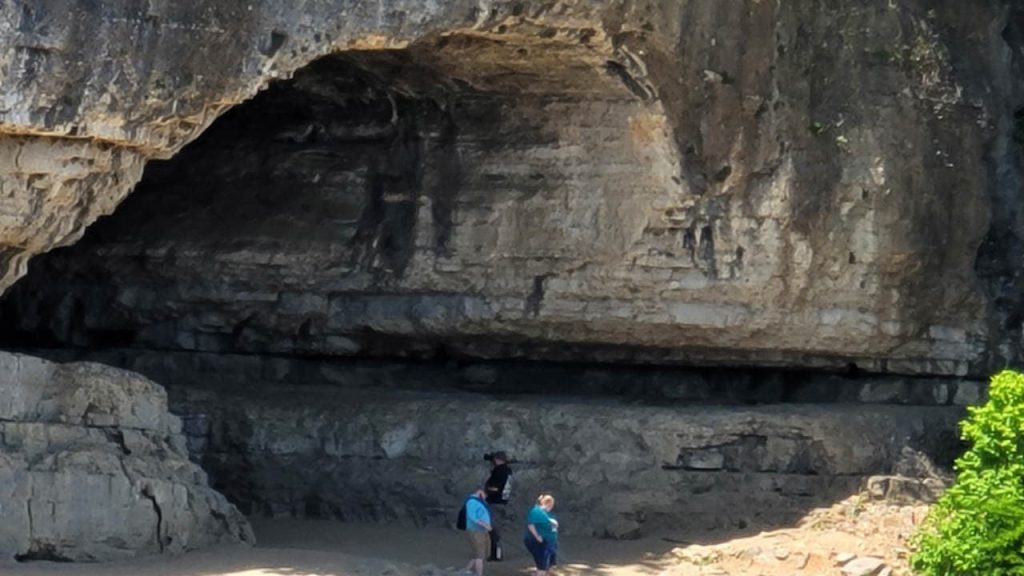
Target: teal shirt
[541, 520]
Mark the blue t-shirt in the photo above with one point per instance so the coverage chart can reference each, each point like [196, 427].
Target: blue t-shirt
[476, 511]
[541, 520]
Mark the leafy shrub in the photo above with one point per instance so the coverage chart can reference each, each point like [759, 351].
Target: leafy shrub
[977, 527]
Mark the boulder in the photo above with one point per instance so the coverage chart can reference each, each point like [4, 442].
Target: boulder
[623, 529]
[863, 566]
[94, 467]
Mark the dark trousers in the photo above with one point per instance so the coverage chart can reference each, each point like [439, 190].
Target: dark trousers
[497, 519]
[545, 554]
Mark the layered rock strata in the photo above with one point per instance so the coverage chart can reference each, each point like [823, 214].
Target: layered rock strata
[94, 467]
[748, 183]
[769, 183]
[51, 189]
[664, 385]
[617, 469]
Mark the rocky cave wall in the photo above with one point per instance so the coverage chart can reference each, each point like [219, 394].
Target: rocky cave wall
[94, 467]
[336, 215]
[629, 450]
[802, 185]
[748, 182]
[618, 469]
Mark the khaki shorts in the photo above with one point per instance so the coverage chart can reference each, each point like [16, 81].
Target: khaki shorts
[480, 542]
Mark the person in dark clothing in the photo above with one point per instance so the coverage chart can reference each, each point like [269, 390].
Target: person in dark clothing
[498, 487]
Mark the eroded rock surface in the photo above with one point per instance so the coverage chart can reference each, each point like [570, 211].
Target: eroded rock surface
[790, 184]
[50, 190]
[773, 183]
[617, 469]
[94, 467]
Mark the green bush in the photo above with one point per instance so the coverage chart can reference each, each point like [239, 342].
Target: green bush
[977, 527]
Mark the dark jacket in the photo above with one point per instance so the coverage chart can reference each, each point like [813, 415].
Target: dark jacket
[496, 484]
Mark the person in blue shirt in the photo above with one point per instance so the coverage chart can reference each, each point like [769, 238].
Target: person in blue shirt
[541, 536]
[478, 528]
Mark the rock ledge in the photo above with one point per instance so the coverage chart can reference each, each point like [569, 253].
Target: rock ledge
[94, 467]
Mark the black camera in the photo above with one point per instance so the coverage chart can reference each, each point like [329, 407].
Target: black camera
[499, 455]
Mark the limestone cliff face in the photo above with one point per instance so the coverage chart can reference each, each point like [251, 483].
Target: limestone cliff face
[408, 456]
[94, 467]
[793, 183]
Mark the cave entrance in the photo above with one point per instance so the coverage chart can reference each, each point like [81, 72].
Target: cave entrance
[365, 205]
[316, 274]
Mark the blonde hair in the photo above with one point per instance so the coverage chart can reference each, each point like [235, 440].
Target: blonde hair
[544, 499]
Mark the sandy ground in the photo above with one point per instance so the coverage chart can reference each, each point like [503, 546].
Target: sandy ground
[854, 528]
[312, 548]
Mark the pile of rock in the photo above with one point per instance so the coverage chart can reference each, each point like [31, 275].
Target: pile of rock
[94, 467]
[860, 536]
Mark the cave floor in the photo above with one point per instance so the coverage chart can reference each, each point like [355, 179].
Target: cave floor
[852, 527]
[327, 548]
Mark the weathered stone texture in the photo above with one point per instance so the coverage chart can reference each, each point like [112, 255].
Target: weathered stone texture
[409, 457]
[656, 384]
[719, 182]
[94, 467]
[50, 189]
[799, 183]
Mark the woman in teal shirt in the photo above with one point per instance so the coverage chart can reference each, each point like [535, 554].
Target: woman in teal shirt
[541, 536]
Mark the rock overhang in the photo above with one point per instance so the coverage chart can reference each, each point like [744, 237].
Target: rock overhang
[806, 161]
